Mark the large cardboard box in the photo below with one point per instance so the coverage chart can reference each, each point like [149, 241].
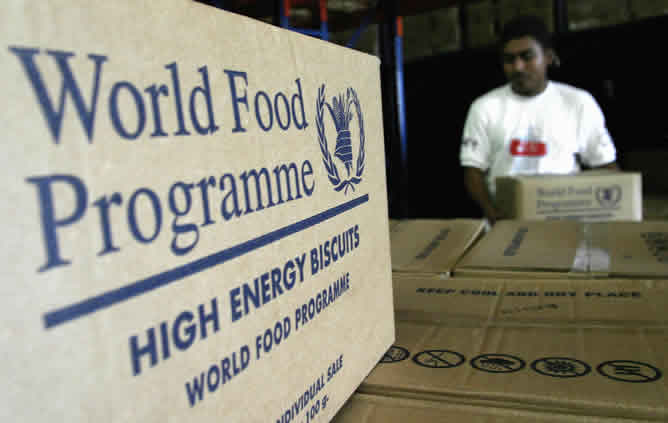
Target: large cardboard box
[417, 41]
[586, 368]
[432, 246]
[587, 14]
[648, 8]
[363, 408]
[445, 32]
[544, 9]
[481, 23]
[558, 249]
[430, 33]
[194, 223]
[587, 196]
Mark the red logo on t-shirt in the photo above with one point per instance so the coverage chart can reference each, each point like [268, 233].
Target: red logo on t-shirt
[527, 148]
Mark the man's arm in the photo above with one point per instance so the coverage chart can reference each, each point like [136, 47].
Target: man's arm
[597, 150]
[474, 180]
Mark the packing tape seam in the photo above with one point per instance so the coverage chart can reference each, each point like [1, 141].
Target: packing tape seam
[590, 256]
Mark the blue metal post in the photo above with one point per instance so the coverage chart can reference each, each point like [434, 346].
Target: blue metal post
[322, 33]
[401, 105]
[324, 30]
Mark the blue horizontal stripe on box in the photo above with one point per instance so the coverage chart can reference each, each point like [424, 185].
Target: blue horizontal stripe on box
[134, 289]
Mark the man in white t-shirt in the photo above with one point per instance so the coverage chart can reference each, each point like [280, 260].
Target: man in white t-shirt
[531, 125]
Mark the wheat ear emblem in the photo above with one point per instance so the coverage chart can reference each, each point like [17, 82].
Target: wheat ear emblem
[341, 112]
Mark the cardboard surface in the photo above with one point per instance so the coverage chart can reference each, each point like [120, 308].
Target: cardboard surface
[586, 14]
[570, 249]
[544, 9]
[393, 223]
[189, 233]
[525, 246]
[619, 302]
[587, 196]
[648, 8]
[586, 369]
[486, 349]
[432, 245]
[363, 408]
[481, 16]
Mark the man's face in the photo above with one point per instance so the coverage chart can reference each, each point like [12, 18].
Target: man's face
[525, 64]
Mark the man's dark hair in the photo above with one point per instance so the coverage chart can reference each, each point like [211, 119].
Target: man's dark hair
[526, 26]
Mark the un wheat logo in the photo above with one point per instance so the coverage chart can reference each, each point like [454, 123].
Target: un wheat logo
[609, 196]
[341, 112]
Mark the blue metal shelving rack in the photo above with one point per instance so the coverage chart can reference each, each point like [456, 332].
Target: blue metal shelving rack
[286, 5]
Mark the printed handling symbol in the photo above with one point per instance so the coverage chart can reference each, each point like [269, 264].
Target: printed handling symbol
[557, 366]
[629, 371]
[561, 367]
[439, 359]
[395, 354]
[497, 363]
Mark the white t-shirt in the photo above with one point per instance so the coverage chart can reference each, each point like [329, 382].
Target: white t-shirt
[508, 134]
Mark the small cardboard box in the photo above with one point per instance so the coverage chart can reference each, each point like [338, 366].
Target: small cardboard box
[364, 408]
[432, 246]
[194, 223]
[570, 363]
[586, 196]
[558, 249]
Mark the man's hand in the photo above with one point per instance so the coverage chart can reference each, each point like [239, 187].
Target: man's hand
[474, 180]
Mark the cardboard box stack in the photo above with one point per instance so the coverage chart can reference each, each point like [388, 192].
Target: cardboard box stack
[648, 8]
[481, 23]
[180, 240]
[587, 14]
[509, 9]
[429, 33]
[544, 321]
[564, 364]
